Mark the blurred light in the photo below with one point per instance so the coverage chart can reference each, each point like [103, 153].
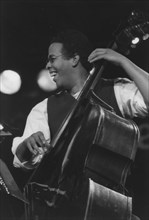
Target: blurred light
[10, 82]
[146, 36]
[1, 127]
[135, 40]
[45, 81]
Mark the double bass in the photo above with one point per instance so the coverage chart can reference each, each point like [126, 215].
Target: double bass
[83, 173]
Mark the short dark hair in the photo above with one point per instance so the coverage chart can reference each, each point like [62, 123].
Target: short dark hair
[75, 42]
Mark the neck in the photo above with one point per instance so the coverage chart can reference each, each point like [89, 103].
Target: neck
[79, 84]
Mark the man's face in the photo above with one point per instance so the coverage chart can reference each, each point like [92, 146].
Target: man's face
[60, 67]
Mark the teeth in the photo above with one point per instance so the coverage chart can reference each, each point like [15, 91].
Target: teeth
[53, 73]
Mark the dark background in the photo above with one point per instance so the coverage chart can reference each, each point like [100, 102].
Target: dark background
[26, 29]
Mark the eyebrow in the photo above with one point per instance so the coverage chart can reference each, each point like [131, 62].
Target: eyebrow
[50, 56]
[54, 55]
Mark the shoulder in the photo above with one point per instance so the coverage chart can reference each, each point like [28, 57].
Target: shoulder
[120, 84]
[125, 84]
[115, 81]
[124, 81]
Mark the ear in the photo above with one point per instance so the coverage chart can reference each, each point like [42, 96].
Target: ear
[75, 60]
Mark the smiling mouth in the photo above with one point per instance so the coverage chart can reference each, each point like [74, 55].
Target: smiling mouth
[53, 74]
[53, 77]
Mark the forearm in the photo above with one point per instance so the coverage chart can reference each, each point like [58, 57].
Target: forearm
[139, 76]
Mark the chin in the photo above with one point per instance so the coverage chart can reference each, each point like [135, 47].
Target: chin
[59, 86]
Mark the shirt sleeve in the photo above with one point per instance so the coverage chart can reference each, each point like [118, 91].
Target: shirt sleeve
[37, 120]
[129, 98]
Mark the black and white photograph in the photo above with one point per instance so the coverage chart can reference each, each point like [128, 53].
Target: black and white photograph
[74, 110]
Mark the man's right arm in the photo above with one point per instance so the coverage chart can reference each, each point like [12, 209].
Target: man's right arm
[34, 139]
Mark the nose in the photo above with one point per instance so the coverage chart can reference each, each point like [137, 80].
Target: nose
[48, 65]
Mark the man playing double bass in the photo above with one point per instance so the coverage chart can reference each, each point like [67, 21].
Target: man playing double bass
[70, 60]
